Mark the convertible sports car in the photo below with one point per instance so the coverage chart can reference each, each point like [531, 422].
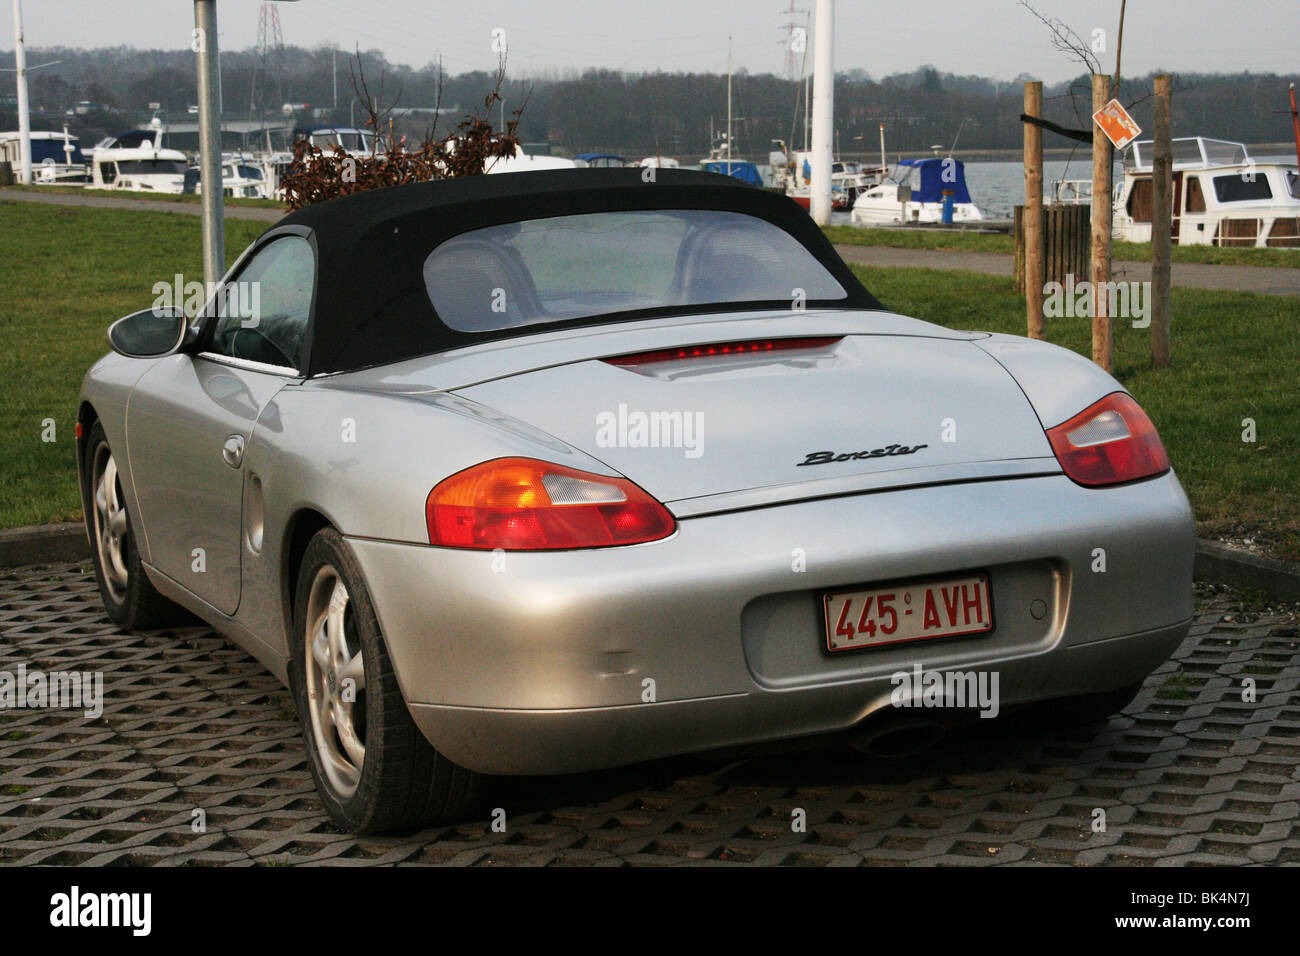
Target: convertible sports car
[557, 471]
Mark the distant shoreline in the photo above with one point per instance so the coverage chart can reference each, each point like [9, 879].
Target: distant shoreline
[1285, 147]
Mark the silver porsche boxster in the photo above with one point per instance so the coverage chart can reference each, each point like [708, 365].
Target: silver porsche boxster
[558, 471]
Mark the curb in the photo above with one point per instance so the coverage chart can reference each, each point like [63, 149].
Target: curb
[1227, 565]
[1278, 580]
[43, 544]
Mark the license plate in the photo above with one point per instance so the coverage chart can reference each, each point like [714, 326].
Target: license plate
[908, 611]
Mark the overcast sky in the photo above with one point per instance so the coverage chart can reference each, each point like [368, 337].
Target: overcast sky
[996, 38]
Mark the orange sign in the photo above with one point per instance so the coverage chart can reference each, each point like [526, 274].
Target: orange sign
[1116, 124]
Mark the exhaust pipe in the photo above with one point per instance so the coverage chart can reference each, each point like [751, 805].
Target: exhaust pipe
[899, 738]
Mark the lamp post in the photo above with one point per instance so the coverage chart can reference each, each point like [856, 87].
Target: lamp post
[209, 73]
[214, 226]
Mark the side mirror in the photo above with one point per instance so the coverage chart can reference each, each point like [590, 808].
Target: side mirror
[151, 333]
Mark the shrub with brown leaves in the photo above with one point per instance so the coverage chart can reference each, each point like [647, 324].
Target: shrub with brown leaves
[318, 174]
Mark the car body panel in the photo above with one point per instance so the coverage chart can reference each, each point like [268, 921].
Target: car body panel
[1054, 379]
[721, 609]
[510, 741]
[181, 414]
[541, 349]
[739, 422]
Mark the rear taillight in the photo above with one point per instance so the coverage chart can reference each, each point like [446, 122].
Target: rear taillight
[518, 504]
[1109, 442]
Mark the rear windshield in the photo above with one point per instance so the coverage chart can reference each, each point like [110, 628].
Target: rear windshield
[569, 267]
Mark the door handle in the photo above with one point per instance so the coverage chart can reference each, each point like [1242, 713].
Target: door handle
[232, 453]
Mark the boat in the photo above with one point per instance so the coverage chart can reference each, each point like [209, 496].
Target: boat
[522, 162]
[793, 174]
[1222, 196]
[915, 192]
[136, 160]
[57, 159]
[720, 161]
[599, 160]
[1072, 192]
[659, 162]
[356, 142]
[741, 169]
[243, 176]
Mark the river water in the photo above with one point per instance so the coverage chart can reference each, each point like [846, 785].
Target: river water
[997, 187]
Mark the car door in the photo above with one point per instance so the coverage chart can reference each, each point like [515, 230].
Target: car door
[191, 416]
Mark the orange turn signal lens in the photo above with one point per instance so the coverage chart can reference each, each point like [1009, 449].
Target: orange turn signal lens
[520, 504]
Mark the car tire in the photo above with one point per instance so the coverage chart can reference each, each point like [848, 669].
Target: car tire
[130, 599]
[375, 772]
[1089, 708]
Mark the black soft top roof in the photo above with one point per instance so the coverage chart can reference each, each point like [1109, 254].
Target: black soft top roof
[371, 306]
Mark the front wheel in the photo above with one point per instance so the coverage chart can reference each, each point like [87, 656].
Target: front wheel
[373, 769]
[129, 597]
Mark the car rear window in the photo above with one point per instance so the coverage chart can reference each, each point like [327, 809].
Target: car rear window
[569, 267]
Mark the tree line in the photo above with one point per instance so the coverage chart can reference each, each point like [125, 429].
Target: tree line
[636, 114]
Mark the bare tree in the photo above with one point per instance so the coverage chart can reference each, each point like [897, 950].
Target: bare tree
[378, 115]
[317, 175]
[1066, 40]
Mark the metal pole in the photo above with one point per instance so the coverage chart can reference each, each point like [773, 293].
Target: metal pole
[728, 106]
[823, 111]
[1101, 222]
[884, 168]
[1162, 166]
[214, 237]
[807, 92]
[1033, 217]
[24, 121]
[1295, 124]
[334, 73]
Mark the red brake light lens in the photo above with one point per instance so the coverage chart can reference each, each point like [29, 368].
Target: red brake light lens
[518, 504]
[759, 347]
[1109, 442]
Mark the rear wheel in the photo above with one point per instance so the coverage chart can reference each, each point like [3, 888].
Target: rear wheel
[374, 770]
[129, 597]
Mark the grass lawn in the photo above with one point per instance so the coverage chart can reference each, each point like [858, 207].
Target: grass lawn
[150, 196]
[962, 241]
[1236, 355]
[68, 272]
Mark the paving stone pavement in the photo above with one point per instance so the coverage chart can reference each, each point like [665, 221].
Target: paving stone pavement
[1189, 774]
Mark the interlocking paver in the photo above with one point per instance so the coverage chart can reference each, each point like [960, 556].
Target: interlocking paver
[194, 730]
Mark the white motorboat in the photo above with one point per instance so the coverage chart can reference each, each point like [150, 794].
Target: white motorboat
[916, 192]
[357, 142]
[243, 176]
[1222, 197]
[522, 162]
[56, 157]
[136, 160]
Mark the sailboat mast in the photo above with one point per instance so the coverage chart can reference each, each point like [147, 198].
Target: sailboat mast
[728, 106]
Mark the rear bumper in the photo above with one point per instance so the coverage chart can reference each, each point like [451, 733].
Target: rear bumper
[503, 741]
[560, 662]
